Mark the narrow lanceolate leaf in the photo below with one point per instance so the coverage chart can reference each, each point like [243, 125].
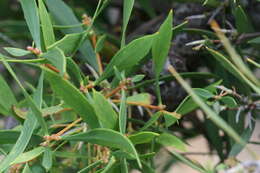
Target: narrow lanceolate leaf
[31, 15]
[243, 24]
[123, 113]
[104, 111]
[27, 156]
[106, 137]
[128, 56]
[63, 15]
[47, 29]
[235, 57]
[57, 58]
[7, 98]
[16, 51]
[29, 124]
[161, 44]
[210, 113]
[142, 137]
[72, 97]
[167, 139]
[189, 162]
[232, 69]
[69, 43]
[151, 121]
[128, 7]
[11, 136]
[47, 158]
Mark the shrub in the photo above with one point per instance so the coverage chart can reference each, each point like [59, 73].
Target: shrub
[104, 120]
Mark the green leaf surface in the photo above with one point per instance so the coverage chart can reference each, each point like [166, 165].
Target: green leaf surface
[31, 15]
[74, 72]
[189, 162]
[161, 44]
[75, 99]
[142, 137]
[29, 124]
[128, 56]
[57, 58]
[104, 111]
[17, 51]
[27, 156]
[63, 15]
[151, 121]
[254, 40]
[167, 139]
[69, 43]
[232, 69]
[123, 113]
[188, 105]
[210, 113]
[11, 136]
[106, 137]
[7, 98]
[245, 135]
[47, 158]
[144, 98]
[47, 29]
[229, 101]
[26, 169]
[243, 25]
[128, 7]
[100, 43]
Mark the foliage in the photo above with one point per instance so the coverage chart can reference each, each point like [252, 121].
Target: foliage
[105, 120]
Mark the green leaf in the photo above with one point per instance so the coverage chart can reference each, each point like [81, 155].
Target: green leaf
[104, 111]
[167, 139]
[47, 158]
[243, 25]
[187, 105]
[26, 169]
[47, 29]
[74, 72]
[144, 98]
[27, 156]
[138, 78]
[254, 41]
[232, 69]
[91, 166]
[29, 124]
[210, 113]
[142, 137]
[63, 15]
[109, 166]
[57, 58]
[7, 98]
[31, 15]
[100, 43]
[75, 99]
[123, 113]
[106, 137]
[229, 101]
[128, 56]
[128, 7]
[11, 136]
[151, 121]
[188, 162]
[17, 51]
[161, 44]
[69, 43]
